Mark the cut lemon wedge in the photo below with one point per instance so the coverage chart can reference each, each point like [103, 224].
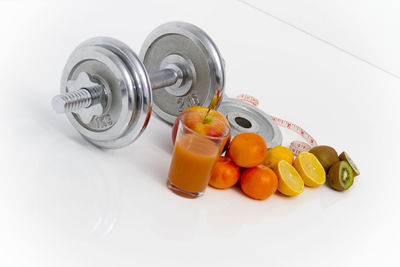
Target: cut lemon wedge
[290, 182]
[310, 169]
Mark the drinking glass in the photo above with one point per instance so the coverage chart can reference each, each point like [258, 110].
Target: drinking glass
[199, 143]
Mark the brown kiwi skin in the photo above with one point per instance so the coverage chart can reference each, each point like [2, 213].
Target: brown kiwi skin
[326, 155]
[333, 173]
[344, 156]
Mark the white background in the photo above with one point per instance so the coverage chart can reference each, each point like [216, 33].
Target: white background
[332, 67]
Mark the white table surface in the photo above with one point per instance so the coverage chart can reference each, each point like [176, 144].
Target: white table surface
[64, 202]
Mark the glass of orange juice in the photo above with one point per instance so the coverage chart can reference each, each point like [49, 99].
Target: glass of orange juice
[199, 143]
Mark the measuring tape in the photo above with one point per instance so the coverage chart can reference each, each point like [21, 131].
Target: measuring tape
[296, 146]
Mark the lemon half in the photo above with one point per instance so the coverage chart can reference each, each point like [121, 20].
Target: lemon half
[310, 169]
[290, 182]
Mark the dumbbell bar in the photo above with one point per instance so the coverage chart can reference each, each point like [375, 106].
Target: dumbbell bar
[90, 93]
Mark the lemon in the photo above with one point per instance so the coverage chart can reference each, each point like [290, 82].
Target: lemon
[290, 182]
[310, 169]
[276, 154]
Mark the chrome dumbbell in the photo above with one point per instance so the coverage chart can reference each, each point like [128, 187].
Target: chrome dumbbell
[107, 91]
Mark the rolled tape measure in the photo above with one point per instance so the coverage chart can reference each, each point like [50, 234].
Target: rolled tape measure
[296, 146]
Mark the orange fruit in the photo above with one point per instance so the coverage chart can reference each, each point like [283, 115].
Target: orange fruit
[259, 182]
[247, 150]
[225, 174]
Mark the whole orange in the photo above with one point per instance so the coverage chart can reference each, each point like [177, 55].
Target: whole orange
[247, 150]
[259, 182]
[225, 174]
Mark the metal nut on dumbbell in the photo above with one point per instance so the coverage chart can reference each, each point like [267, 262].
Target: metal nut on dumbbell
[106, 90]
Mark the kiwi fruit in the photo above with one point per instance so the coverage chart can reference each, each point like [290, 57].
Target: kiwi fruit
[340, 176]
[345, 157]
[326, 155]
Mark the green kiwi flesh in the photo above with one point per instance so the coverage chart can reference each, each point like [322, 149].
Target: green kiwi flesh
[340, 176]
[344, 156]
[326, 155]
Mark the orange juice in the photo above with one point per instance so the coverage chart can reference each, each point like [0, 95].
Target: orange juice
[192, 162]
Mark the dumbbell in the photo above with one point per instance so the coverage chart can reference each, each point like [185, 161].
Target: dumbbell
[107, 91]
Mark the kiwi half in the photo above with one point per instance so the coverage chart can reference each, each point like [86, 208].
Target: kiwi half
[340, 176]
[345, 157]
[326, 155]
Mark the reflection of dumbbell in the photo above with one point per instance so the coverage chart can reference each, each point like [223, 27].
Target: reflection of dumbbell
[106, 91]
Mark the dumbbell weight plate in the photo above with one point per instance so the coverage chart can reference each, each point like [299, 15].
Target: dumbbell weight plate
[114, 64]
[183, 43]
[244, 117]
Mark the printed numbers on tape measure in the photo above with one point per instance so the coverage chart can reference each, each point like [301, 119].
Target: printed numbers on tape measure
[187, 101]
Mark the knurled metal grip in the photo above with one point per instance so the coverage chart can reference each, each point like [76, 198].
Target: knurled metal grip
[106, 90]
